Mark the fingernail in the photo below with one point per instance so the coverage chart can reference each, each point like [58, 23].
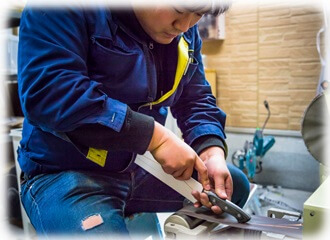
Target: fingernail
[207, 187]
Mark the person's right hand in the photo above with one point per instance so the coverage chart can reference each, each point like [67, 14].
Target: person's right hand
[176, 157]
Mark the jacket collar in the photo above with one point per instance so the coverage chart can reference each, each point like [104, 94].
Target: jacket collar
[128, 21]
[113, 26]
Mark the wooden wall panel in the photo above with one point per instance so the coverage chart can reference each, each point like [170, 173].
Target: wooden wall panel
[269, 53]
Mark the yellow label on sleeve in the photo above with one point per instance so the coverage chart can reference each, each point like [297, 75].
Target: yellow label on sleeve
[97, 155]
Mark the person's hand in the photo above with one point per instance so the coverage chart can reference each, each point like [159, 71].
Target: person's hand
[220, 178]
[176, 157]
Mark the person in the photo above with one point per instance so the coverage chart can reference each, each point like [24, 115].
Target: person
[94, 85]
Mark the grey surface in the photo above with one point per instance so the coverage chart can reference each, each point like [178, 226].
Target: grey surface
[315, 128]
[266, 197]
[288, 163]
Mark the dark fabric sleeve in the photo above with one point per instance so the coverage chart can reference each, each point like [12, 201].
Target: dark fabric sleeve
[196, 110]
[206, 141]
[135, 135]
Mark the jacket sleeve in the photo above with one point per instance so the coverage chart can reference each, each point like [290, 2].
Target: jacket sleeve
[134, 136]
[57, 94]
[196, 111]
[55, 91]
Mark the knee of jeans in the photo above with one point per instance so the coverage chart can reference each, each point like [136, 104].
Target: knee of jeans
[241, 186]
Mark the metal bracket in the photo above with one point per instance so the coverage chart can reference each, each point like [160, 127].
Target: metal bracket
[280, 213]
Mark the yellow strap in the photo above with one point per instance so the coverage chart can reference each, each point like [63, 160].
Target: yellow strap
[183, 61]
[97, 156]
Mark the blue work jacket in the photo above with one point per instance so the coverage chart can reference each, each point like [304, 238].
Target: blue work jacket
[79, 66]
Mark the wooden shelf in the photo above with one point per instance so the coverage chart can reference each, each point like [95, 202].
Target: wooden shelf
[211, 77]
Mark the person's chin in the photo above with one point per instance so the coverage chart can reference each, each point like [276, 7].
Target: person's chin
[164, 38]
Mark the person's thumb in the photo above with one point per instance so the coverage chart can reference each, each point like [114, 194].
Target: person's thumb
[202, 172]
[220, 189]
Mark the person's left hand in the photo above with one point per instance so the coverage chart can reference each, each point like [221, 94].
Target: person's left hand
[219, 175]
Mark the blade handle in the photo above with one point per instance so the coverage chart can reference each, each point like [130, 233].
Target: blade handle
[228, 207]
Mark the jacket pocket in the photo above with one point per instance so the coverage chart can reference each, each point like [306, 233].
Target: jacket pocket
[190, 72]
[186, 78]
[110, 46]
[121, 69]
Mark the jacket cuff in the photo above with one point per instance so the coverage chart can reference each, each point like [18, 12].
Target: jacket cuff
[206, 141]
[139, 129]
[135, 135]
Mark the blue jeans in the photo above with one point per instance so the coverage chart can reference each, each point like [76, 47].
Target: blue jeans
[61, 203]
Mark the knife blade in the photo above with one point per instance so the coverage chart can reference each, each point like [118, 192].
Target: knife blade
[148, 163]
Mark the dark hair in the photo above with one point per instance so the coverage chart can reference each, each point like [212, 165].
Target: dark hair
[212, 7]
[219, 7]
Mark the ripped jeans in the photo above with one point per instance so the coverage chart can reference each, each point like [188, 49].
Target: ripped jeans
[94, 206]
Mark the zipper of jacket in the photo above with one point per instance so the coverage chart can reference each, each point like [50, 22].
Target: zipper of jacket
[182, 45]
[150, 46]
[160, 79]
[150, 104]
[159, 69]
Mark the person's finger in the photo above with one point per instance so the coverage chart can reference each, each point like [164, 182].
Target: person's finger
[216, 209]
[203, 175]
[197, 204]
[168, 170]
[187, 173]
[183, 175]
[219, 185]
[178, 173]
[204, 199]
[196, 195]
[229, 187]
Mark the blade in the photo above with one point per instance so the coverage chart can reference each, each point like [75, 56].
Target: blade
[148, 163]
[259, 223]
[282, 226]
